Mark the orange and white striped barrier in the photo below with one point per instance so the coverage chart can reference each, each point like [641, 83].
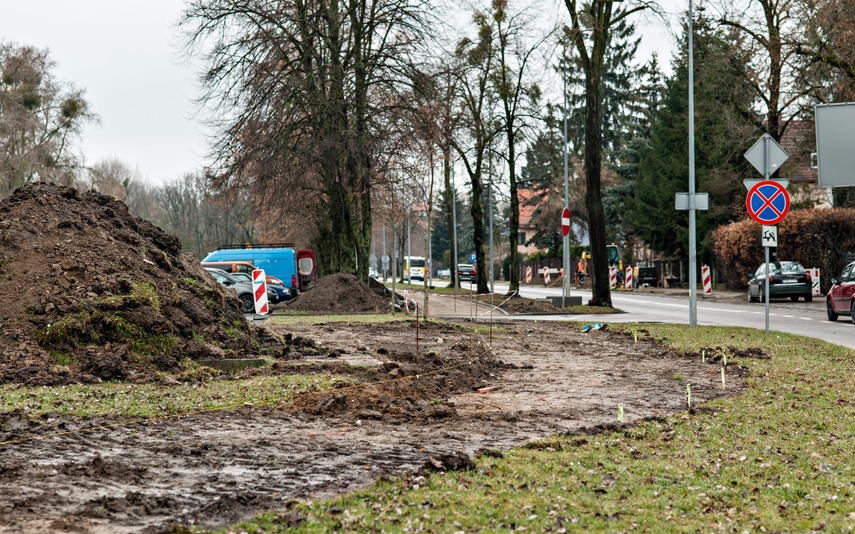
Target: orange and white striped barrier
[814, 280]
[707, 279]
[546, 278]
[628, 282]
[612, 276]
[259, 290]
[528, 274]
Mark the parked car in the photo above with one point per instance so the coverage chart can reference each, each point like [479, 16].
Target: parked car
[243, 289]
[841, 296]
[647, 277]
[280, 292]
[786, 279]
[466, 272]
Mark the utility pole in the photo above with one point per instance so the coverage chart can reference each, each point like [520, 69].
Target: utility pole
[693, 260]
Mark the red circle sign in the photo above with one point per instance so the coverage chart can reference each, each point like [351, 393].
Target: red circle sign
[768, 202]
[565, 221]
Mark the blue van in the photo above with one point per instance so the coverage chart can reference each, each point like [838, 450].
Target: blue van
[279, 260]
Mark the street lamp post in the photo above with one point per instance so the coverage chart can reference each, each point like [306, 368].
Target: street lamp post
[693, 261]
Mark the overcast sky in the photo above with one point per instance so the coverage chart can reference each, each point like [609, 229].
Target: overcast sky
[124, 55]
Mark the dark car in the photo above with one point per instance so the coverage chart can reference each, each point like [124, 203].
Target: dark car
[466, 272]
[841, 297]
[647, 277]
[244, 290]
[786, 279]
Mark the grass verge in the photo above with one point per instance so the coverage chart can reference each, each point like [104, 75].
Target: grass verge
[144, 401]
[778, 458]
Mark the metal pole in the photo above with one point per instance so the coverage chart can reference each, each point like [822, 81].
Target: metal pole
[384, 254]
[766, 292]
[454, 222]
[492, 277]
[693, 260]
[454, 232]
[766, 175]
[409, 247]
[565, 283]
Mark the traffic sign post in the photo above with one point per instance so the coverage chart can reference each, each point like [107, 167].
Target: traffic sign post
[565, 231]
[768, 201]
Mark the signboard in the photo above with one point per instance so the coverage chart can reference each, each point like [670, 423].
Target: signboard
[769, 236]
[565, 222]
[702, 201]
[768, 202]
[756, 155]
[472, 258]
[835, 125]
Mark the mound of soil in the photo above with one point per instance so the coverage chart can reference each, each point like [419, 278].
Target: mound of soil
[90, 292]
[340, 293]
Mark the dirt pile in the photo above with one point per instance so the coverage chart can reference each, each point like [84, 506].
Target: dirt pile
[340, 293]
[90, 292]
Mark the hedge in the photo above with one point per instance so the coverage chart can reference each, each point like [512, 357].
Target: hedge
[815, 238]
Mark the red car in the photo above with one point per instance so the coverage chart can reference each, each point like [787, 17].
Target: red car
[841, 296]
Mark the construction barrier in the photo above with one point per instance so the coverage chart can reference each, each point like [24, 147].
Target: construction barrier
[706, 277]
[814, 277]
[628, 282]
[612, 276]
[259, 289]
[528, 275]
[546, 278]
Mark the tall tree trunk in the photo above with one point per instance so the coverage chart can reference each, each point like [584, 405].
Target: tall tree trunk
[600, 293]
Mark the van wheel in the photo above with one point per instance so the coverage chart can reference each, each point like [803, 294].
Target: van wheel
[809, 297]
[248, 303]
[832, 316]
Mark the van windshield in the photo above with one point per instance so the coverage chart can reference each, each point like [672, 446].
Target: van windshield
[417, 262]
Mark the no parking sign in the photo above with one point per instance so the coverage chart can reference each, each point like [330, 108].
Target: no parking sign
[768, 202]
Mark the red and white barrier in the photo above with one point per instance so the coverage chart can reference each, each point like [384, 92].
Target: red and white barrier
[528, 274]
[628, 281]
[259, 289]
[706, 277]
[546, 278]
[612, 276]
[814, 280]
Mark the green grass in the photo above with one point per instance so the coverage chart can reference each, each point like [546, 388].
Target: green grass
[778, 458]
[123, 400]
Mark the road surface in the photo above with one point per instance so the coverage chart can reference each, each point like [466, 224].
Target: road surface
[806, 319]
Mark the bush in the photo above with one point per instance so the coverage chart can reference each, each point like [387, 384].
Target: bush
[815, 238]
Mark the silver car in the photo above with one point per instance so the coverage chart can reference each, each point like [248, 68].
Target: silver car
[244, 290]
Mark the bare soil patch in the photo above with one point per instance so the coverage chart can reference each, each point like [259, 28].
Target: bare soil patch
[339, 293]
[410, 406]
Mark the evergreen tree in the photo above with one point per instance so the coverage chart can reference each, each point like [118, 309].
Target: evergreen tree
[724, 128]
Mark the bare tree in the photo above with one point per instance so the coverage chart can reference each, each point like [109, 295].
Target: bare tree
[478, 127]
[590, 32]
[40, 117]
[768, 29]
[518, 98]
[303, 89]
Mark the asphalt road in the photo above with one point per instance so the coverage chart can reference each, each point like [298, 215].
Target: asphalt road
[807, 319]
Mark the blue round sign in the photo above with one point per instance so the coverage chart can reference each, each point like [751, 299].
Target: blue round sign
[768, 202]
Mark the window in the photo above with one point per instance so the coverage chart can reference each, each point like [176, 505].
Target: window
[521, 238]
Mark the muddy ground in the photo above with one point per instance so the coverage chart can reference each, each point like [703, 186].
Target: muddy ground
[90, 293]
[216, 469]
